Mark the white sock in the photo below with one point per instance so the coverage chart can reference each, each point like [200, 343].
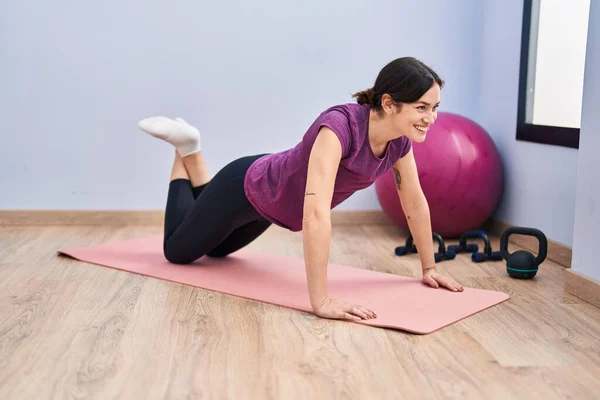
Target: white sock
[185, 137]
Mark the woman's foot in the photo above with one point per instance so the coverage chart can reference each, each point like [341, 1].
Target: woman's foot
[185, 137]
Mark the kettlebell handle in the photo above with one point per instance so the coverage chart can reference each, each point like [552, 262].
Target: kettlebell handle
[519, 230]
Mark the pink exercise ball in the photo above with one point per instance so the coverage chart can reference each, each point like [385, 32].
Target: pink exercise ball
[461, 175]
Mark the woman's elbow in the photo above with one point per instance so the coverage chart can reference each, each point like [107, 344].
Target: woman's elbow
[316, 216]
[414, 201]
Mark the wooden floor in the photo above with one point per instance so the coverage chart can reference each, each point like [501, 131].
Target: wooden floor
[72, 330]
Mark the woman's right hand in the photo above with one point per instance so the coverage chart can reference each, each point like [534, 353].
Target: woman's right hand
[336, 309]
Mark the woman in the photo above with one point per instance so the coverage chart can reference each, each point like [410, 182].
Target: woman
[346, 149]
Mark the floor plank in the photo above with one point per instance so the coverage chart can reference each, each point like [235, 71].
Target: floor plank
[75, 330]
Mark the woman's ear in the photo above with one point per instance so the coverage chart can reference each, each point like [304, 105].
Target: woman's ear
[388, 105]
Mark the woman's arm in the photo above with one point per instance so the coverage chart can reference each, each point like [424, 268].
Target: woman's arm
[323, 165]
[415, 207]
[416, 210]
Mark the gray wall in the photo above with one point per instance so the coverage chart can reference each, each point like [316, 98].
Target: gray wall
[77, 76]
[587, 213]
[252, 76]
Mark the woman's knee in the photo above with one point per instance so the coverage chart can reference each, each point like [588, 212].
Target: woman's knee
[217, 253]
[176, 255]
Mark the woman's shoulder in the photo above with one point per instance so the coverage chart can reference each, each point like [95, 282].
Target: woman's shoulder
[401, 146]
[350, 110]
[347, 121]
[352, 115]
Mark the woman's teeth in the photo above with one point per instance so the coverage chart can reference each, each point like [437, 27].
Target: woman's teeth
[421, 128]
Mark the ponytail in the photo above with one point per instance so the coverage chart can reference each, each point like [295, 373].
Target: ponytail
[364, 97]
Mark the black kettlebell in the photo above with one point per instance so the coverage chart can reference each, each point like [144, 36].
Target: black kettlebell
[522, 264]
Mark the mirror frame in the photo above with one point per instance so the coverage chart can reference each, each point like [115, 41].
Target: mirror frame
[552, 135]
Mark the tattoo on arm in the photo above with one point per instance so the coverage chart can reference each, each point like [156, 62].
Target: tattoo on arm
[396, 177]
[310, 194]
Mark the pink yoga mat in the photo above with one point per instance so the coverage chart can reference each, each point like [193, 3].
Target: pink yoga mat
[400, 302]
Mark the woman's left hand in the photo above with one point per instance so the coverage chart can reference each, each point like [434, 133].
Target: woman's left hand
[434, 279]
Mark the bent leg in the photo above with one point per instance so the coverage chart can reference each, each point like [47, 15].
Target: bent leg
[239, 238]
[180, 200]
[194, 229]
[182, 192]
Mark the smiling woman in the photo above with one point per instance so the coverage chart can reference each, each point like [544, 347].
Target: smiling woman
[345, 149]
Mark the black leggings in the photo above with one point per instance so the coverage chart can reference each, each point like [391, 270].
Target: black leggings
[215, 219]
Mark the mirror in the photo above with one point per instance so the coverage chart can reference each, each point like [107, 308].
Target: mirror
[552, 70]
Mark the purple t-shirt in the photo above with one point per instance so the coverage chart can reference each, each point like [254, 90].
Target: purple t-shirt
[275, 184]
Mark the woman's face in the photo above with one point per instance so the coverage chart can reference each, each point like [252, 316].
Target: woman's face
[414, 119]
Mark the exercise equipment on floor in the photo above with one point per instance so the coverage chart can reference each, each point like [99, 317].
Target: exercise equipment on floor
[463, 246]
[461, 174]
[441, 255]
[522, 264]
[476, 256]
